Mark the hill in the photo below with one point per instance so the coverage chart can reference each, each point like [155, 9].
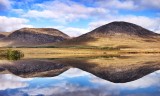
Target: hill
[117, 34]
[126, 28]
[34, 36]
[4, 34]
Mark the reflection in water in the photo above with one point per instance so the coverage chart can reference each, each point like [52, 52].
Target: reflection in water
[115, 69]
[122, 75]
[77, 82]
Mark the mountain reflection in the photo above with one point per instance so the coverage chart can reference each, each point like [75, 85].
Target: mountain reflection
[80, 83]
[118, 69]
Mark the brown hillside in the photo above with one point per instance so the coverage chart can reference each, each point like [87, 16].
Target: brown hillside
[34, 36]
[2, 36]
[117, 34]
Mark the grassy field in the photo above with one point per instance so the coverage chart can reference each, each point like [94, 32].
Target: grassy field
[62, 52]
[115, 41]
[81, 51]
[126, 42]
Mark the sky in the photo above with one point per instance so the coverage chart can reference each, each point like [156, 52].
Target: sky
[76, 17]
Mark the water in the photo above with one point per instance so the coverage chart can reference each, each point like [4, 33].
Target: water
[80, 83]
[100, 76]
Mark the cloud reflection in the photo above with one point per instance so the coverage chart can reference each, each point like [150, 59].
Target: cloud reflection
[80, 83]
[9, 81]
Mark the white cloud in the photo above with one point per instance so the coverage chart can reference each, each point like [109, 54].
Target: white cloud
[12, 23]
[128, 4]
[59, 89]
[71, 31]
[65, 11]
[11, 82]
[146, 22]
[149, 4]
[74, 72]
[5, 4]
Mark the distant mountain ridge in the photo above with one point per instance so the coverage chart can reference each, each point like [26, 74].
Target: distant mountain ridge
[49, 31]
[35, 36]
[4, 34]
[114, 34]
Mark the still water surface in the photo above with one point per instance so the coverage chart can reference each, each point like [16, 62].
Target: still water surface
[75, 82]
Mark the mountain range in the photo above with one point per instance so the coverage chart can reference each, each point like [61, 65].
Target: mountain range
[114, 34]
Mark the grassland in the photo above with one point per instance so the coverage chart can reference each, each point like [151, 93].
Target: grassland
[123, 41]
[80, 51]
[117, 45]
[62, 52]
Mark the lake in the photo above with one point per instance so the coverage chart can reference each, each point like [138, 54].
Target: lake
[91, 76]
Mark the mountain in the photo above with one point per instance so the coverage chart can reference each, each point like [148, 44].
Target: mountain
[4, 34]
[34, 36]
[114, 34]
[114, 28]
[117, 34]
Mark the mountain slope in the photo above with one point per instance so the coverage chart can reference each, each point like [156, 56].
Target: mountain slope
[4, 34]
[34, 36]
[121, 28]
[117, 34]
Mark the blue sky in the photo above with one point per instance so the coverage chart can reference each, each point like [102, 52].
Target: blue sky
[76, 17]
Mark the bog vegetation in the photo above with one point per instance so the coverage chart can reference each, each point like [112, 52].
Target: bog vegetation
[11, 54]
